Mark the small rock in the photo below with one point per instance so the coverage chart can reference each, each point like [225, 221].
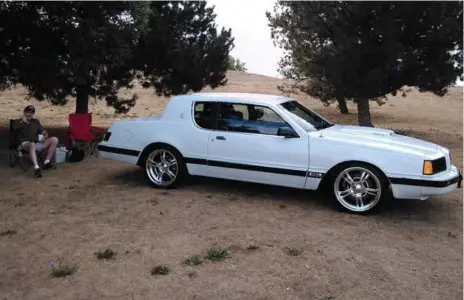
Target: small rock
[451, 234]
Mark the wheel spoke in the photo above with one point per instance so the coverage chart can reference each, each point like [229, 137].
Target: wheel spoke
[171, 163]
[154, 165]
[364, 176]
[344, 193]
[348, 178]
[170, 174]
[359, 202]
[163, 157]
[371, 191]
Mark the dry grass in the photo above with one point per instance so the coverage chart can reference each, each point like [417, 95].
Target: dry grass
[412, 250]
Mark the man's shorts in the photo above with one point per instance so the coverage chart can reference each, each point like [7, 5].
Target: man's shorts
[39, 146]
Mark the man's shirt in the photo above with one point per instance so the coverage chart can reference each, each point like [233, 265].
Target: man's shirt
[28, 132]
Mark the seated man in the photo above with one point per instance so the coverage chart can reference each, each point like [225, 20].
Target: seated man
[33, 137]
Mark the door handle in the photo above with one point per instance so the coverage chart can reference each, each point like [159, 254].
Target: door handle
[220, 137]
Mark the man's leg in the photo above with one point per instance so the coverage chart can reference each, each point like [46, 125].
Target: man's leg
[49, 146]
[31, 148]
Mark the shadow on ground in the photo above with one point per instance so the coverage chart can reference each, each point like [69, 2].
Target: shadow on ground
[395, 209]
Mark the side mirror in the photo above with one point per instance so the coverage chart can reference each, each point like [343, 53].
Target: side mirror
[287, 132]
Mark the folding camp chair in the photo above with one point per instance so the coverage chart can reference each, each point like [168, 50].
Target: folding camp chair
[82, 135]
[17, 152]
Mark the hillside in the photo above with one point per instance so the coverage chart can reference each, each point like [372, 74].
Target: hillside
[431, 111]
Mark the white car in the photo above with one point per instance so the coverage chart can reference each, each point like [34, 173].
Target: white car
[275, 140]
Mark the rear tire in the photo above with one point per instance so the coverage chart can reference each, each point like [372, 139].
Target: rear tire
[164, 167]
[358, 188]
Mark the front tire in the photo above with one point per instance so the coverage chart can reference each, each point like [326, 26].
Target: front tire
[164, 167]
[359, 188]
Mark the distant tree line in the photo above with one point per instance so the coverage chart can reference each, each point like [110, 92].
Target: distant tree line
[236, 64]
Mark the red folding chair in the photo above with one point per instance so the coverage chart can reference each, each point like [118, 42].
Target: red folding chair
[82, 135]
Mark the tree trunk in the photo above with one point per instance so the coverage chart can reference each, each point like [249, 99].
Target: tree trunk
[364, 114]
[82, 100]
[342, 105]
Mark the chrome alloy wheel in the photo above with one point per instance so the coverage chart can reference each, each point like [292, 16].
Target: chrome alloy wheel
[357, 189]
[162, 167]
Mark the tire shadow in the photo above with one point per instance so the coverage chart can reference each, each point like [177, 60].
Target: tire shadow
[395, 210]
[250, 191]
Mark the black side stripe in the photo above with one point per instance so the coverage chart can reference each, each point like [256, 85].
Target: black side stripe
[215, 163]
[196, 161]
[425, 183]
[223, 164]
[118, 150]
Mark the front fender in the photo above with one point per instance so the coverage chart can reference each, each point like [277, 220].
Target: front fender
[326, 154]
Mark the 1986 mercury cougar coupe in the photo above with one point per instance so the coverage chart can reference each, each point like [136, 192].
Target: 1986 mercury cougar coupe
[276, 140]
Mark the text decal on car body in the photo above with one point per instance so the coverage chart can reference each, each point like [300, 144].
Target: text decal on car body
[315, 174]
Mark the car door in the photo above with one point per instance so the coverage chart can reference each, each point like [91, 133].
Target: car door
[196, 137]
[246, 147]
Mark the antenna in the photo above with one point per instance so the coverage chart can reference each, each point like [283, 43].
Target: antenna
[323, 96]
[323, 83]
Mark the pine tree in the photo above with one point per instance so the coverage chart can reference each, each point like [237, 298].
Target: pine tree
[362, 50]
[93, 49]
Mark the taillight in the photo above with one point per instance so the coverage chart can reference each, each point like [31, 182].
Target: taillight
[107, 136]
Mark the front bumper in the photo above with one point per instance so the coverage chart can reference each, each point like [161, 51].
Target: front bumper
[444, 183]
[460, 179]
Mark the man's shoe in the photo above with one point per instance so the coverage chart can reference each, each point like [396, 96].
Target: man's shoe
[37, 173]
[49, 166]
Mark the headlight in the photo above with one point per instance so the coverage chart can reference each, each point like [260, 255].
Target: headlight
[435, 166]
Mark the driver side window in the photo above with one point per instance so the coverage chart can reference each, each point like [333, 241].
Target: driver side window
[245, 118]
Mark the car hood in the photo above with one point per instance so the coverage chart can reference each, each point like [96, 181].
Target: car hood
[380, 138]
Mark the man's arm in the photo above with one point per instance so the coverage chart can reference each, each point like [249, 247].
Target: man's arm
[42, 130]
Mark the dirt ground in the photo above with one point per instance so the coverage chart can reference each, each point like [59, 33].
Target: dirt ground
[409, 250]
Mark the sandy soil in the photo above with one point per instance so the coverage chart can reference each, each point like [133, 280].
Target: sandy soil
[409, 250]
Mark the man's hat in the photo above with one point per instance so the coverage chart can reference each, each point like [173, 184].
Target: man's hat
[29, 108]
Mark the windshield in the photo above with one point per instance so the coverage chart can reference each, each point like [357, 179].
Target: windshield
[305, 117]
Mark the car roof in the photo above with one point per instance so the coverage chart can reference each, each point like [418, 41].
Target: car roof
[253, 98]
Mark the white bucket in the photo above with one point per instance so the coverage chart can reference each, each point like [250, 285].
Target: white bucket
[61, 155]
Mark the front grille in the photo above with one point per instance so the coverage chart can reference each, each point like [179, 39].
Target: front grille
[439, 165]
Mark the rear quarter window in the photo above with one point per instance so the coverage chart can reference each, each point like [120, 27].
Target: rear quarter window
[203, 114]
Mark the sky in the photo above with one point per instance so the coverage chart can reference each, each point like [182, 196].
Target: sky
[253, 43]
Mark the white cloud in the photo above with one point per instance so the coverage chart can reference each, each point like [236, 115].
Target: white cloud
[253, 43]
